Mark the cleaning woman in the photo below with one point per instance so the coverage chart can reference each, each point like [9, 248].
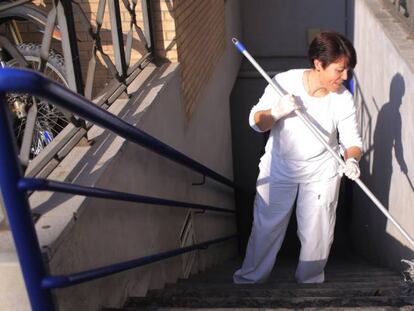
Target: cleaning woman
[296, 166]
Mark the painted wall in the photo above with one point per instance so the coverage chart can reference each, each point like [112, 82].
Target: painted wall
[385, 79]
[277, 28]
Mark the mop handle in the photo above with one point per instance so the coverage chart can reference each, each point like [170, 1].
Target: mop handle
[319, 136]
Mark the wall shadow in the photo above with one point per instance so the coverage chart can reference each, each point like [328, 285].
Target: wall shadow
[85, 171]
[247, 149]
[386, 144]
[387, 138]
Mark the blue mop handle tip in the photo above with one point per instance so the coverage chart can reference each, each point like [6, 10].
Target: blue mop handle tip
[238, 45]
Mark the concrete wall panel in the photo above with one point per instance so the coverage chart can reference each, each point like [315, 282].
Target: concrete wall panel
[275, 28]
[385, 79]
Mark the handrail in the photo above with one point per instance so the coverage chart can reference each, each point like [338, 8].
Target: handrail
[80, 277]
[14, 186]
[26, 81]
[39, 184]
[19, 216]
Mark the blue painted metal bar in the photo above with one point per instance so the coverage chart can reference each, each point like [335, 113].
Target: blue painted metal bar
[73, 279]
[20, 217]
[51, 185]
[25, 81]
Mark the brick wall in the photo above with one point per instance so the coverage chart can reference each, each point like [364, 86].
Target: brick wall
[164, 29]
[192, 33]
[200, 43]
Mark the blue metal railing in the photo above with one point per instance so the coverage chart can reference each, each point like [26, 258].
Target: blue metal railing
[14, 186]
[52, 185]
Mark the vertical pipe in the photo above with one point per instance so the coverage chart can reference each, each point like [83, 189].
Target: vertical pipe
[146, 15]
[20, 218]
[70, 45]
[117, 38]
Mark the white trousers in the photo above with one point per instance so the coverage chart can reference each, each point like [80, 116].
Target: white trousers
[316, 214]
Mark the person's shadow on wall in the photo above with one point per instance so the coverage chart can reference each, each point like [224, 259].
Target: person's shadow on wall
[387, 137]
[386, 143]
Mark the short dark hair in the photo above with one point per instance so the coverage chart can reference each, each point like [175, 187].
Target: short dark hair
[329, 46]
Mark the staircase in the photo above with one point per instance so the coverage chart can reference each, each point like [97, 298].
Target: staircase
[349, 284]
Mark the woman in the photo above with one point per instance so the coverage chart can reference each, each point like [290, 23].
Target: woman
[297, 166]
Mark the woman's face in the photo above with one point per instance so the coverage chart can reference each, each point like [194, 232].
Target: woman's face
[333, 75]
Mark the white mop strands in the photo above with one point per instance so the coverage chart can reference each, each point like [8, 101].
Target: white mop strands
[408, 277]
[409, 274]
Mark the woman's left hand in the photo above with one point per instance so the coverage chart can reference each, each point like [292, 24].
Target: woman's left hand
[351, 169]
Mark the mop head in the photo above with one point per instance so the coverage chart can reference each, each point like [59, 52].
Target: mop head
[408, 287]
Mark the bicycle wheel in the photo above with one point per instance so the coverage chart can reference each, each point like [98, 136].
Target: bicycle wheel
[50, 120]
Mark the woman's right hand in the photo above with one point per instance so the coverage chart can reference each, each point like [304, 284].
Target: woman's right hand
[284, 106]
[265, 119]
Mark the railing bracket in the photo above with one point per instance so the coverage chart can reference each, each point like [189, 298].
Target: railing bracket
[200, 183]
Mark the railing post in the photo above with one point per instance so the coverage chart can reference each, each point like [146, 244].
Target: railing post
[3, 218]
[19, 215]
[70, 46]
[117, 38]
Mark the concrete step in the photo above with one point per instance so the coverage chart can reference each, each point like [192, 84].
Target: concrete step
[351, 271]
[292, 267]
[291, 285]
[267, 302]
[286, 268]
[408, 308]
[291, 280]
[290, 274]
[388, 290]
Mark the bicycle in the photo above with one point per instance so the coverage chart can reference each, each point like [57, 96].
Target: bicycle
[36, 122]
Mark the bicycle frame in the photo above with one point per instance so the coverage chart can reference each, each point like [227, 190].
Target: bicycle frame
[24, 11]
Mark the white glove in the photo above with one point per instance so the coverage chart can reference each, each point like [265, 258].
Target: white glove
[351, 169]
[285, 105]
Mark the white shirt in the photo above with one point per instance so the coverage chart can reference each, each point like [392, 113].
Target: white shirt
[293, 153]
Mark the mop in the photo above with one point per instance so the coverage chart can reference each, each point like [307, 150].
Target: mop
[409, 273]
